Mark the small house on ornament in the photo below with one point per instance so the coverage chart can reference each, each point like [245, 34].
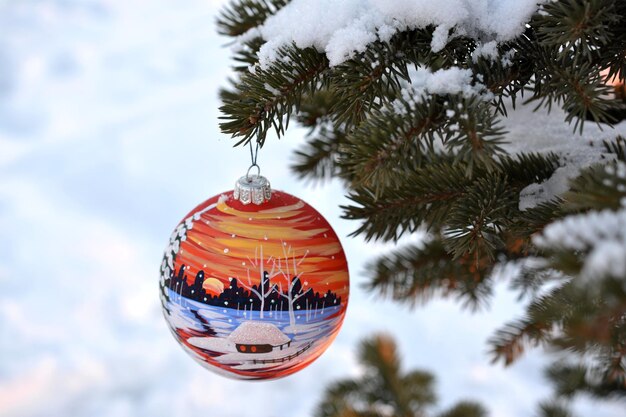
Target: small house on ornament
[257, 337]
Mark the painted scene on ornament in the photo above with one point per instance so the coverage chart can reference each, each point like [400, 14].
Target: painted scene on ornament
[254, 291]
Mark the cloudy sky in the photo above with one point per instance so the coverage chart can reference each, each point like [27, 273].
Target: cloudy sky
[108, 137]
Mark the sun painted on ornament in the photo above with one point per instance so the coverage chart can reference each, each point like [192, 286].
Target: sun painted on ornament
[234, 308]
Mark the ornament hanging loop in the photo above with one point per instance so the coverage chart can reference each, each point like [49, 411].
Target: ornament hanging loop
[253, 189]
[258, 173]
[254, 154]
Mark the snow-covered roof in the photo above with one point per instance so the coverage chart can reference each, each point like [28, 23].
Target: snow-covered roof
[258, 333]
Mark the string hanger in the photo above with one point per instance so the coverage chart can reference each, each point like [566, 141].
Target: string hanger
[253, 158]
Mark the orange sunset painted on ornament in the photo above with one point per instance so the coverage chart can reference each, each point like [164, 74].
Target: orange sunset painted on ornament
[254, 291]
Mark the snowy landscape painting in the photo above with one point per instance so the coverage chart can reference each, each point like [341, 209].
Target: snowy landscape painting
[217, 336]
[254, 292]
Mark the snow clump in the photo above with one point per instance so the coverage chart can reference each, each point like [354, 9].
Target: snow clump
[599, 234]
[343, 28]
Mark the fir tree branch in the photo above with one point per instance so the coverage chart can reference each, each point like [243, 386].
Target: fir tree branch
[413, 163]
[239, 16]
[415, 274]
[527, 223]
[245, 55]
[576, 26]
[317, 160]
[598, 187]
[617, 147]
[267, 97]
[339, 398]
[554, 409]
[384, 390]
[390, 142]
[476, 136]
[527, 168]
[423, 197]
[419, 387]
[465, 409]
[375, 76]
[570, 379]
[570, 319]
[578, 88]
[428, 193]
[533, 278]
[575, 40]
[542, 315]
[316, 109]
[379, 356]
[477, 219]
[510, 342]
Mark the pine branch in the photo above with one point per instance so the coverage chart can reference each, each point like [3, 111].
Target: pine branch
[415, 274]
[598, 187]
[527, 168]
[533, 278]
[427, 194]
[614, 52]
[542, 315]
[380, 357]
[593, 326]
[554, 409]
[476, 136]
[267, 97]
[384, 390]
[465, 409]
[245, 55]
[510, 342]
[577, 87]
[316, 109]
[574, 42]
[423, 197]
[418, 385]
[567, 378]
[436, 162]
[570, 379]
[240, 16]
[531, 221]
[390, 142]
[375, 76]
[477, 219]
[339, 398]
[617, 147]
[569, 318]
[576, 26]
[506, 77]
[318, 158]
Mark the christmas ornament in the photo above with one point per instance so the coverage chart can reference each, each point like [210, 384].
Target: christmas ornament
[254, 282]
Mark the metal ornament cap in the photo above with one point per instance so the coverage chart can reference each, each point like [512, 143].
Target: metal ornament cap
[253, 189]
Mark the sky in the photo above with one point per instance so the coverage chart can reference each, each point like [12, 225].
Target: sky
[234, 242]
[108, 137]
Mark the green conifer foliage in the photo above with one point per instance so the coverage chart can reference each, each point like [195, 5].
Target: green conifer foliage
[438, 163]
[386, 390]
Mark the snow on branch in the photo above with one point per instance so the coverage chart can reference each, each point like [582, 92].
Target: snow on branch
[599, 234]
[343, 28]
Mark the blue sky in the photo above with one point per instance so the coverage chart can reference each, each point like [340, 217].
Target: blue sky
[108, 137]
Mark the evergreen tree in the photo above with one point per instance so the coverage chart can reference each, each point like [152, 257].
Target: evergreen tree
[386, 390]
[438, 162]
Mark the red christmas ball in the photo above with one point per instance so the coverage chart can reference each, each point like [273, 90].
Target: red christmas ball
[254, 291]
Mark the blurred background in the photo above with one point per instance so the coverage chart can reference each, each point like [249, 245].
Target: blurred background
[108, 137]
